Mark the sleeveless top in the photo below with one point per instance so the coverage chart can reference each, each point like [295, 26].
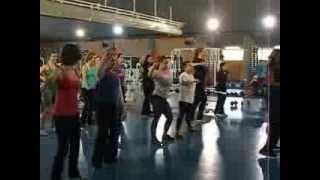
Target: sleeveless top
[92, 77]
[50, 85]
[67, 95]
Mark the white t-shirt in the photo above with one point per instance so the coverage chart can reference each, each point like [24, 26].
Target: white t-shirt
[187, 87]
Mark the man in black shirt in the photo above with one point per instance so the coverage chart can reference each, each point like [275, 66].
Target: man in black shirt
[200, 73]
[222, 77]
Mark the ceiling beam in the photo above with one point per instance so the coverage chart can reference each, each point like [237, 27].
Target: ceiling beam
[93, 12]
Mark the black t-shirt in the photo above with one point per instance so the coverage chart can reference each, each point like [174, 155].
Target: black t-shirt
[147, 82]
[200, 71]
[222, 77]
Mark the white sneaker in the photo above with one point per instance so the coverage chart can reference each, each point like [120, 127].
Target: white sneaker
[221, 115]
[195, 123]
[43, 133]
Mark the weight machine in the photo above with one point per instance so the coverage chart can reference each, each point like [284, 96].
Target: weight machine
[132, 75]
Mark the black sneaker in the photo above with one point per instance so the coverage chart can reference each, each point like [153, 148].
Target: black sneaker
[191, 130]
[179, 137]
[75, 175]
[268, 153]
[97, 165]
[156, 142]
[167, 139]
[110, 160]
[220, 115]
[145, 114]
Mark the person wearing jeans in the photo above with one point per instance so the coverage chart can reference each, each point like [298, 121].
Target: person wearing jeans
[162, 77]
[66, 114]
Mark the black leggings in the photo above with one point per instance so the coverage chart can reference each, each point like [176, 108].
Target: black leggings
[184, 110]
[147, 89]
[106, 144]
[160, 106]
[68, 134]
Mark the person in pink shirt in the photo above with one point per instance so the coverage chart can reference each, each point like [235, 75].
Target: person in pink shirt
[66, 113]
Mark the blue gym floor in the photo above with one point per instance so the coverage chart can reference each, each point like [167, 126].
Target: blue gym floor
[220, 150]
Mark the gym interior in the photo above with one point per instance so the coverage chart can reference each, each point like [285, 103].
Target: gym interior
[240, 35]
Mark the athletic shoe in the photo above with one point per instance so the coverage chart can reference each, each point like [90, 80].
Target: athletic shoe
[191, 130]
[110, 161]
[268, 153]
[75, 175]
[179, 137]
[156, 142]
[78, 178]
[145, 114]
[167, 139]
[97, 165]
[196, 123]
[43, 133]
[221, 115]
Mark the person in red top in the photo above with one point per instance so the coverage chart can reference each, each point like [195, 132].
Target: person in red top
[66, 114]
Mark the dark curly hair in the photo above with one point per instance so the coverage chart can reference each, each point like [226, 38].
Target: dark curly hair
[274, 64]
[70, 54]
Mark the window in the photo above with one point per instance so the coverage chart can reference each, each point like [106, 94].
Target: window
[263, 53]
[233, 54]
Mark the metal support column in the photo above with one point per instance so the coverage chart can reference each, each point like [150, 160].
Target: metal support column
[134, 5]
[155, 7]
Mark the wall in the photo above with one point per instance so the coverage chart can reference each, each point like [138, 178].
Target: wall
[134, 47]
[236, 70]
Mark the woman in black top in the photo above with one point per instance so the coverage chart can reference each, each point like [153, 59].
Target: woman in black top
[148, 86]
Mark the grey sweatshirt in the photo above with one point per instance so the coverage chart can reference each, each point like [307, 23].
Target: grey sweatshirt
[162, 83]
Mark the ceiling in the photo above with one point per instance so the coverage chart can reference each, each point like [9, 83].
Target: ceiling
[60, 29]
[235, 16]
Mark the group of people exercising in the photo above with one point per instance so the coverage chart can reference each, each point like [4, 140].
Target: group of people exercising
[157, 80]
[101, 80]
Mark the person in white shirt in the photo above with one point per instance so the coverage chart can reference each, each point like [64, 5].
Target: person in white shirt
[186, 97]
